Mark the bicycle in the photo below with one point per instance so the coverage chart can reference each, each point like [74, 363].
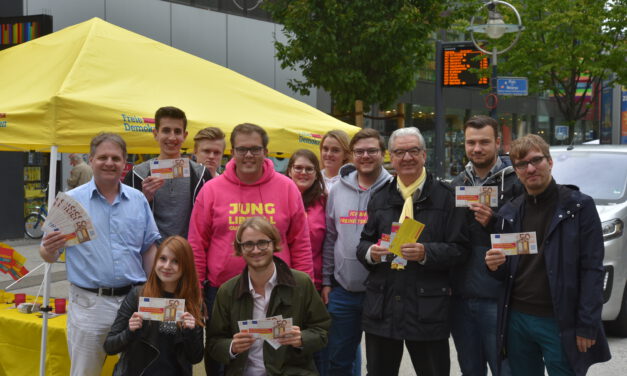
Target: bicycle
[34, 221]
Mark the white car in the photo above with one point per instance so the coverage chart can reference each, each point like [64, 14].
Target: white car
[600, 171]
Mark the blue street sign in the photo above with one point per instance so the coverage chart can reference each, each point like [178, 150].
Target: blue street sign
[561, 132]
[512, 86]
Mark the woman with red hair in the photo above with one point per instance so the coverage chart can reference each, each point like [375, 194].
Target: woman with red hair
[161, 347]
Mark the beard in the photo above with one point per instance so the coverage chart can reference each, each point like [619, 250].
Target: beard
[484, 163]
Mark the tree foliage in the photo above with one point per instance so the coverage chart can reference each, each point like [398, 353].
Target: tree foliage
[566, 42]
[357, 49]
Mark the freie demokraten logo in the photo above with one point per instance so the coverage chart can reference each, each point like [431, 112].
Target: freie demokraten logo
[134, 123]
[3, 123]
[309, 138]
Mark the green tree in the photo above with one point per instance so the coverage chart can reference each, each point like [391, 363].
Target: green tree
[367, 50]
[566, 42]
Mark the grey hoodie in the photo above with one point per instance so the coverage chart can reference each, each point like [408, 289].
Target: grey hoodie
[346, 216]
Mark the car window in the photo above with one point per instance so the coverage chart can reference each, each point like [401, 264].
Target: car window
[601, 175]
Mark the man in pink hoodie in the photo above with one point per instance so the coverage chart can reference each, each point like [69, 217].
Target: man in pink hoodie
[249, 187]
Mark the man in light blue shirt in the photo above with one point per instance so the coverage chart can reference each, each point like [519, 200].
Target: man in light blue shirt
[103, 270]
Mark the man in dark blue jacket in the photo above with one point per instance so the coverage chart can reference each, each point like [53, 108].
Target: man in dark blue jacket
[550, 312]
[475, 293]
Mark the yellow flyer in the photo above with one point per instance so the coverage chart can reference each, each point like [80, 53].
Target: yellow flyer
[409, 232]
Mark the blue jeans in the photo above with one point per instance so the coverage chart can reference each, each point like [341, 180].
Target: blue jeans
[345, 334]
[473, 326]
[534, 342]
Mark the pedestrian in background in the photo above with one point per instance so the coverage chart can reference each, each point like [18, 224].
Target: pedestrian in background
[81, 172]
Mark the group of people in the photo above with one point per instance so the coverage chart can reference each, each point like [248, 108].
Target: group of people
[251, 243]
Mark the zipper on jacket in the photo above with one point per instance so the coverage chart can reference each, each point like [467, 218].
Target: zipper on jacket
[153, 360]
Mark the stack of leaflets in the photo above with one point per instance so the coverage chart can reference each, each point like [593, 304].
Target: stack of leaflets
[518, 243]
[170, 168]
[161, 309]
[401, 233]
[486, 195]
[70, 218]
[268, 329]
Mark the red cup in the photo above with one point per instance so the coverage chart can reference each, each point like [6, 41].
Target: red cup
[59, 306]
[19, 299]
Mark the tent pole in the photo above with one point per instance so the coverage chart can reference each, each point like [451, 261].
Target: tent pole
[52, 184]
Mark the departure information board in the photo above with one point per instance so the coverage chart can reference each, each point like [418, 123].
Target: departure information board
[458, 59]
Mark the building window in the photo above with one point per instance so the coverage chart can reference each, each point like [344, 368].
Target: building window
[244, 8]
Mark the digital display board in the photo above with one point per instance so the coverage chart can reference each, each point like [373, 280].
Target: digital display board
[457, 59]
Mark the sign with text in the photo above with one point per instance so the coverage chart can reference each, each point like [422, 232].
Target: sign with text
[512, 86]
[457, 59]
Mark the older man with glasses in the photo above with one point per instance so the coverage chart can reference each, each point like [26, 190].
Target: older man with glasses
[342, 275]
[248, 187]
[407, 299]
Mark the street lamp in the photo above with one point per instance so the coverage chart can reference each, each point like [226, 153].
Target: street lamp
[495, 28]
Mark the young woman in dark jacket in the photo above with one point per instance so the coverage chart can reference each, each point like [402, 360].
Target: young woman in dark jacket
[161, 348]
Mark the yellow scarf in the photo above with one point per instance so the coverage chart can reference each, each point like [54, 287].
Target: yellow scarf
[408, 193]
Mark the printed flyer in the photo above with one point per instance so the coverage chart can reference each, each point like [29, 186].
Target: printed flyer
[268, 329]
[70, 218]
[161, 309]
[486, 195]
[518, 243]
[170, 168]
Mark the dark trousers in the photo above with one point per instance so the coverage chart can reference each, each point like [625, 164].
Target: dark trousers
[429, 358]
[212, 367]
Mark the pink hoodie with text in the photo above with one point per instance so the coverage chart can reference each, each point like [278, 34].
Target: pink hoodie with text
[225, 202]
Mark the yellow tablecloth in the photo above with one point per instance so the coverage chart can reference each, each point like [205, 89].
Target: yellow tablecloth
[20, 342]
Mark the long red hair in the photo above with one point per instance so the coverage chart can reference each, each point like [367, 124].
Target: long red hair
[187, 287]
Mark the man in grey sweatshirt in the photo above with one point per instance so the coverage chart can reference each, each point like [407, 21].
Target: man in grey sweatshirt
[343, 275]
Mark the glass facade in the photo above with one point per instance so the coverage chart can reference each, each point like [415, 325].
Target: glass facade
[511, 126]
[244, 8]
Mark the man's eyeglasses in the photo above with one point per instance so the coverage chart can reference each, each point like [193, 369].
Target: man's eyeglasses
[262, 245]
[362, 152]
[255, 150]
[522, 165]
[303, 170]
[400, 153]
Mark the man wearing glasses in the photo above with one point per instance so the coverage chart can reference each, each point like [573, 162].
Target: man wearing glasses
[407, 299]
[342, 275]
[248, 187]
[550, 310]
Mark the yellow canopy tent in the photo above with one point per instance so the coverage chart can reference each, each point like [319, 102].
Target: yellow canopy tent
[64, 88]
[58, 91]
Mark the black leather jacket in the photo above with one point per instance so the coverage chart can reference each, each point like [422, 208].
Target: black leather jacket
[139, 349]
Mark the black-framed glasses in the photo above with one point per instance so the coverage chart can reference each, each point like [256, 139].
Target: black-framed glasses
[362, 152]
[254, 150]
[262, 245]
[303, 170]
[400, 153]
[522, 165]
